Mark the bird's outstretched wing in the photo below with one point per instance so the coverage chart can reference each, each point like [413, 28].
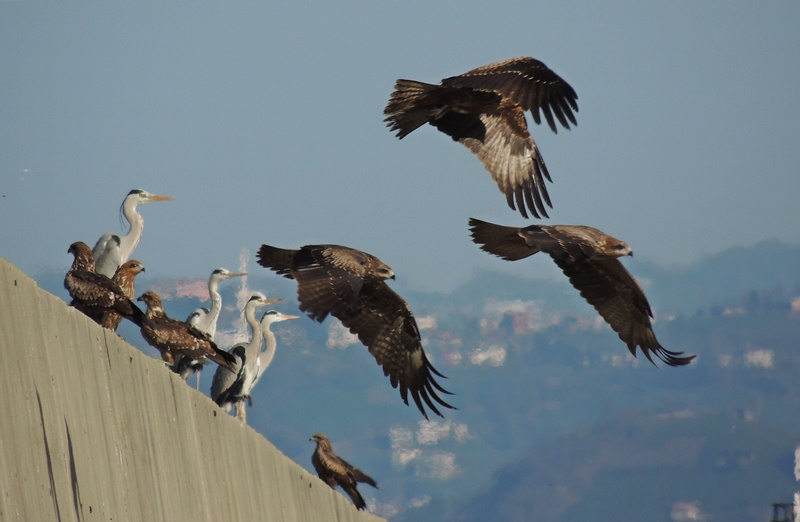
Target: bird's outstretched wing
[528, 83]
[385, 325]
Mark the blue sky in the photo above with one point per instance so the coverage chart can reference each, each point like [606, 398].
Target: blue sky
[265, 124]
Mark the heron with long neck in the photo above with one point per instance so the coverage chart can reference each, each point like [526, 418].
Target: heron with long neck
[228, 388]
[109, 258]
[205, 320]
[270, 343]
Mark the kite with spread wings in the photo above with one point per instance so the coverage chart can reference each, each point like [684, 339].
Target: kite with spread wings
[590, 259]
[351, 286]
[484, 109]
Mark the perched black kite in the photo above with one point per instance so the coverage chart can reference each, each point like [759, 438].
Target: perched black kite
[351, 286]
[125, 279]
[484, 109]
[336, 471]
[95, 294]
[590, 259]
[172, 337]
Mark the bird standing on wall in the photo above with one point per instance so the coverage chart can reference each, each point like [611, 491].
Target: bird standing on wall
[233, 388]
[110, 256]
[484, 109]
[95, 294]
[590, 259]
[335, 471]
[124, 278]
[351, 286]
[205, 320]
[270, 342]
[172, 337]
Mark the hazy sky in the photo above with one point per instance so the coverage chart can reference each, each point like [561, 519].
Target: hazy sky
[264, 121]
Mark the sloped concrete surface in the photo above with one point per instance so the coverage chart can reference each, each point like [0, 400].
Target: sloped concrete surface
[93, 429]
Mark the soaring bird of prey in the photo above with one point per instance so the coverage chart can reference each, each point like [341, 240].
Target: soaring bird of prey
[125, 279]
[484, 109]
[109, 257]
[335, 471]
[233, 388]
[172, 337]
[351, 286]
[95, 294]
[590, 259]
[205, 320]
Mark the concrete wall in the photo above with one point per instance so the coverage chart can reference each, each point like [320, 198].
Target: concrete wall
[93, 429]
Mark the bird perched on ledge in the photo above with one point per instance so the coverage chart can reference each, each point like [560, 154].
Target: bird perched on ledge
[125, 279]
[172, 337]
[335, 471]
[351, 286]
[95, 294]
[113, 249]
[205, 320]
[484, 109]
[233, 388]
[590, 259]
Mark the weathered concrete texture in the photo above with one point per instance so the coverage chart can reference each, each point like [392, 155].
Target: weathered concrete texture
[93, 429]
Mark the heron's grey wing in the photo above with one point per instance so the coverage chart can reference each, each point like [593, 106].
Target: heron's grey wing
[107, 254]
[224, 383]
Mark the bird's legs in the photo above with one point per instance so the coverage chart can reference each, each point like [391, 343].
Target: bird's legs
[241, 411]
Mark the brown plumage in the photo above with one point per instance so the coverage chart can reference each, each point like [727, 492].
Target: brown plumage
[124, 278]
[335, 471]
[351, 286]
[484, 109]
[172, 337]
[95, 294]
[590, 259]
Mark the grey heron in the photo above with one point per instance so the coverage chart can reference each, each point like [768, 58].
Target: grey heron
[228, 388]
[205, 320]
[109, 258]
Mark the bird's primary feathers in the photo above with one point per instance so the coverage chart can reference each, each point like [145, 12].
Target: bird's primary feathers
[351, 286]
[95, 294]
[484, 109]
[172, 337]
[590, 259]
[335, 471]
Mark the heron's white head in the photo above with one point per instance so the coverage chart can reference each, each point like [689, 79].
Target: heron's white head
[272, 316]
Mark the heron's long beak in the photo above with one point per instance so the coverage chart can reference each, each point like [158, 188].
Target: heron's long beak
[270, 301]
[161, 198]
[291, 317]
[237, 274]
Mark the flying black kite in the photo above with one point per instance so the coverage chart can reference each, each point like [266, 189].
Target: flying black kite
[351, 286]
[484, 109]
[590, 259]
